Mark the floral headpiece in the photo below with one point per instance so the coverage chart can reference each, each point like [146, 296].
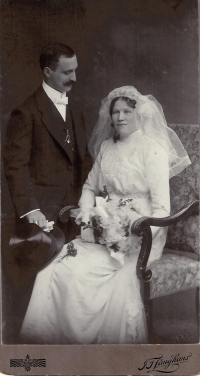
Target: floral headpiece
[143, 104]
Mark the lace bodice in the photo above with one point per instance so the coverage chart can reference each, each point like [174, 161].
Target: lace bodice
[136, 167]
[121, 169]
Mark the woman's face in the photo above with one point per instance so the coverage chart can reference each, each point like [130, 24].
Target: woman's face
[124, 118]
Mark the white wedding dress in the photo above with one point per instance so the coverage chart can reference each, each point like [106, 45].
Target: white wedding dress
[92, 298]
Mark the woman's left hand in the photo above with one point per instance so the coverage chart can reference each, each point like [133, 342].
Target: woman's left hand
[87, 235]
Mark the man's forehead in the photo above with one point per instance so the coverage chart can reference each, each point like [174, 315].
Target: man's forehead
[65, 62]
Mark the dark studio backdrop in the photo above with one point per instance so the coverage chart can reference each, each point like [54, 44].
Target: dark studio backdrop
[150, 44]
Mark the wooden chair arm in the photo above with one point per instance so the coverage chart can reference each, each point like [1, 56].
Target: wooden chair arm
[141, 227]
[64, 214]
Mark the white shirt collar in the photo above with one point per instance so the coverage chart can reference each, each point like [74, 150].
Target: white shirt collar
[52, 93]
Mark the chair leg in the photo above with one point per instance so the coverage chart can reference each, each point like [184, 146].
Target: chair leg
[197, 308]
[145, 293]
[153, 338]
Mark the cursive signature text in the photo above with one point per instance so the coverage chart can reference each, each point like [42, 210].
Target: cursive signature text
[159, 364]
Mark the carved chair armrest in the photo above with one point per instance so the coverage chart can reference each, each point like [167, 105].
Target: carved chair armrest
[64, 213]
[141, 227]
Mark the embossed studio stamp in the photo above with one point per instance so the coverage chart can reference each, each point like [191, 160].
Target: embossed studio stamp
[27, 363]
[162, 365]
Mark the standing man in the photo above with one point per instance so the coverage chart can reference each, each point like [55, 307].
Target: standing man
[45, 152]
[46, 163]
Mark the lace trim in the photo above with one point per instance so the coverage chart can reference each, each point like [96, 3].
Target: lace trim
[134, 311]
[129, 195]
[180, 166]
[132, 138]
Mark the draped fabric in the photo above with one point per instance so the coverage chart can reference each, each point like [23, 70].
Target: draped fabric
[92, 298]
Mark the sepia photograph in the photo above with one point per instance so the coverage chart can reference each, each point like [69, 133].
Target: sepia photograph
[100, 187]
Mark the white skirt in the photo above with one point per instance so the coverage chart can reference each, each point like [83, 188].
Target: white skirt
[87, 299]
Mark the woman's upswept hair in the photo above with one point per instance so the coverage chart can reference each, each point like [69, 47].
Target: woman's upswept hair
[130, 102]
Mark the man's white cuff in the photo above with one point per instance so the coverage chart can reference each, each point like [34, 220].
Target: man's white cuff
[24, 215]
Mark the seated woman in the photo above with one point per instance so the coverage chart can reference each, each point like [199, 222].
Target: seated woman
[94, 297]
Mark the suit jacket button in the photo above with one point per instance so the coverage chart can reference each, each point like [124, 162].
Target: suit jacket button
[69, 168]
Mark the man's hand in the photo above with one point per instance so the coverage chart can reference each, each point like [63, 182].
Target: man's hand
[38, 218]
[87, 235]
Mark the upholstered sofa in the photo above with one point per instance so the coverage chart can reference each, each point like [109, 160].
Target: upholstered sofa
[170, 286]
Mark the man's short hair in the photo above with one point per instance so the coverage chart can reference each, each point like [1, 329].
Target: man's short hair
[51, 53]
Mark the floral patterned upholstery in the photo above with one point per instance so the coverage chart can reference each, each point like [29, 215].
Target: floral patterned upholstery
[178, 268]
[175, 271]
[184, 189]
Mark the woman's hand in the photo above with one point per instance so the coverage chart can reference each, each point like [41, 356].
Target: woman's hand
[83, 216]
[87, 235]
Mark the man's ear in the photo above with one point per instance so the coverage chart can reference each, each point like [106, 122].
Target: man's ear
[47, 72]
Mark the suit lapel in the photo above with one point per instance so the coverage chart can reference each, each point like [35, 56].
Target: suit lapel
[78, 128]
[52, 120]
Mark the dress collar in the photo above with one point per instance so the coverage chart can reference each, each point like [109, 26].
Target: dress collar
[52, 93]
[132, 138]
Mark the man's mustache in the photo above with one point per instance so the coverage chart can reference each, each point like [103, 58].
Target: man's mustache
[69, 83]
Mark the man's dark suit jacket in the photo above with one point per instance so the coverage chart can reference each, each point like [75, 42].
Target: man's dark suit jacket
[42, 173]
[41, 170]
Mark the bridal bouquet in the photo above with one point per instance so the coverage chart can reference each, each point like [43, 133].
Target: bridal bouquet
[111, 222]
